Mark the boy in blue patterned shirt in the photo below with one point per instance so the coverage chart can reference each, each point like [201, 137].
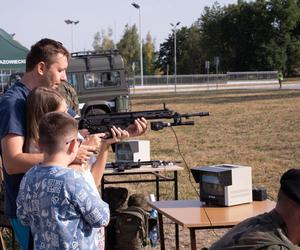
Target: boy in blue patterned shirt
[63, 210]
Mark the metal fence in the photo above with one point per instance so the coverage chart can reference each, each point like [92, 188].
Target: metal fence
[4, 78]
[205, 78]
[254, 76]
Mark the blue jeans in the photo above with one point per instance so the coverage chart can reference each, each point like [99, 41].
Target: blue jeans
[22, 232]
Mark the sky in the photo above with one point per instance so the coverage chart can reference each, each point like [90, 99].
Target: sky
[32, 20]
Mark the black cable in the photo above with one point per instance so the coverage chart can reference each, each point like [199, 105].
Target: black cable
[185, 163]
[189, 171]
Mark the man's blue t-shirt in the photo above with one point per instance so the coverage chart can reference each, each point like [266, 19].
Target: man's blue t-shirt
[13, 121]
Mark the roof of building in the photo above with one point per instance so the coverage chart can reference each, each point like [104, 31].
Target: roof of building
[12, 53]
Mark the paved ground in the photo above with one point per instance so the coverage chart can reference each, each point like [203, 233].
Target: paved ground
[211, 86]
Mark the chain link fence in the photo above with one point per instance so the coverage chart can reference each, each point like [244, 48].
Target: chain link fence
[231, 77]
[154, 80]
[4, 79]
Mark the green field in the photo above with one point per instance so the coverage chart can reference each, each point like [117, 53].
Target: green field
[258, 128]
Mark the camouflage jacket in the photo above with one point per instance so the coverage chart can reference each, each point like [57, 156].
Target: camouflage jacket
[69, 93]
[265, 232]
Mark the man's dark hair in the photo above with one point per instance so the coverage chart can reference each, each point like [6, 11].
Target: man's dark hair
[56, 129]
[43, 51]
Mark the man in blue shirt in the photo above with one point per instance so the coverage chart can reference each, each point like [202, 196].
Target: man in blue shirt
[46, 65]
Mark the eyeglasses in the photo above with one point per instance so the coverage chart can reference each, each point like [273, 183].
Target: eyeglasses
[79, 140]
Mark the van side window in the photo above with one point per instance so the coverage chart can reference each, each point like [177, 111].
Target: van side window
[72, 80]
[102, 79]
[89, 80]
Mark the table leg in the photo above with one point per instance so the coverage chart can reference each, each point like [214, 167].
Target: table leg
[193, 239]
[177, 236]
[161, 231]
[176, 198]
[176, 185]
[157, 187]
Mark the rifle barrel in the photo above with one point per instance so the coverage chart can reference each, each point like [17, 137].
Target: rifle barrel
[195, 114]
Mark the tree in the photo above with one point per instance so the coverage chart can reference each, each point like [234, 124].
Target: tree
[103, 40]
[285, 21]
[234, 33]
[188, 52]
[189, 55]
[211, 28]
[164, 59]
[129, 48]
[149, 56]
[252, 36]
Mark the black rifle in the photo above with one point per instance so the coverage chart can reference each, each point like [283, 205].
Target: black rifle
[123, 165]
[101, 123]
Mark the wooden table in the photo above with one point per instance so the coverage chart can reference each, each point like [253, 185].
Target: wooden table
[159, 173]
[193, 215]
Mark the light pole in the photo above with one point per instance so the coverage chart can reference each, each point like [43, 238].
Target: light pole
[68, 21]
[135, 5]
[175, 59]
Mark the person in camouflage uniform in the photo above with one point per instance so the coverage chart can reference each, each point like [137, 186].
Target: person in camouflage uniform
[70, 95]
[277, 230]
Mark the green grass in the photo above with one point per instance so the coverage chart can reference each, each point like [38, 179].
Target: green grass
[259, 128]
